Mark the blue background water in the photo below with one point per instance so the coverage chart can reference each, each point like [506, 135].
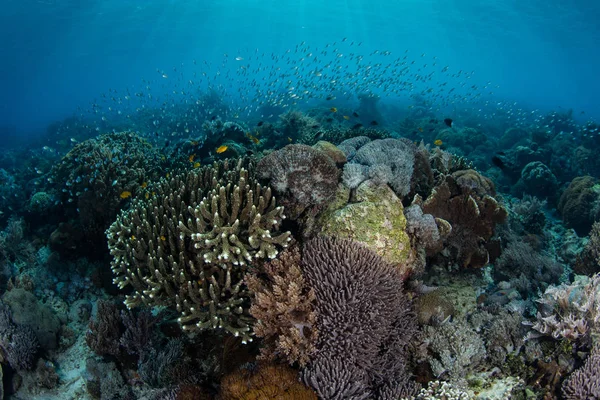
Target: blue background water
[58, 54]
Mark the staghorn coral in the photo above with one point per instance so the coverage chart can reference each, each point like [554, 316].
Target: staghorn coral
[266, 382]
[304, 178]
[356, 291]
[189, 245]
[283, 306]
[569, 311]
[465, 199]
[584, 383]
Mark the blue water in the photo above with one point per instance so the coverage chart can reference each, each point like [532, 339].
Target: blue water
[60, 54]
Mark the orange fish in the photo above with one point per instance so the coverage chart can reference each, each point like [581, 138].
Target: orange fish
[191, 158]
[222, 149]
[125, 194]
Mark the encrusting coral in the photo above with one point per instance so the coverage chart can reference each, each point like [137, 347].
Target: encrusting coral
[283, 306]
[189, 244]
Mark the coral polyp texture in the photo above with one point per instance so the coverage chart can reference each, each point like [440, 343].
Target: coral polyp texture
[190, 243]
[305, 178]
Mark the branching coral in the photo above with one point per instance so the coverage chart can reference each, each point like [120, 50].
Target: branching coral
[584, 383]
[283, 306]
[570, 311]
[364, 321]
[305, 178]
[189, 245]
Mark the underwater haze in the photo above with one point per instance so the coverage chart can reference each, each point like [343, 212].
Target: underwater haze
[299, 200]
[60, 54]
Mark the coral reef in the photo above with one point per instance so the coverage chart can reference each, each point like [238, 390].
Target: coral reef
[284, 308]
[375, 220]
[584, 383]
[578, 204]
[305, 178]
[96, 178]
[18, 344]
[357, 291]
[264, 382]
[570, 311]
[189, 245]
[388, 161]
[465, 200]
[455, 350]
[537, 179]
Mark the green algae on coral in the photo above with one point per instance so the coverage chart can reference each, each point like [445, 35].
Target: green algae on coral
[375, 220]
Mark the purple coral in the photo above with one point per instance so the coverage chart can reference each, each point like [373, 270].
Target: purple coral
[18, 344]
[364, 321]
[584, 383]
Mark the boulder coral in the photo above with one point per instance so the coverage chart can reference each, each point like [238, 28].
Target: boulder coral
[579, 204]
[375, 220]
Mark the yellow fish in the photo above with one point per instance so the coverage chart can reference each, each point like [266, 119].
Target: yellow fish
[438, 142]
[346, 117]
[132, 237]
[290, 139]
[191, 158]
[222, 149]
[196, 164]
[147, 195]
[333, 109]
[144, 185]
[125, 194]
[163, 238]
[254, 139]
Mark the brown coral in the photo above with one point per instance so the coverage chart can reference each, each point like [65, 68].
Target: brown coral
[267, 382]
[304, 178]
[576, 204]
[464, 199]
[283, 306]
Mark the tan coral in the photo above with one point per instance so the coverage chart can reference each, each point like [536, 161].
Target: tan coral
[283, 306]
[189, 245]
